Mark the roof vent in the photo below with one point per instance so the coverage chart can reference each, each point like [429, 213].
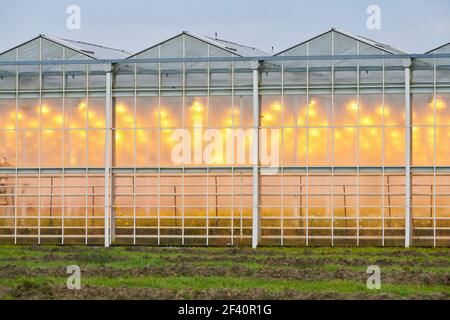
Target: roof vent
[233, 49]
[87, 51]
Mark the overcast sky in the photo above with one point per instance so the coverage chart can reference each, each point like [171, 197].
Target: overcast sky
[413, 25]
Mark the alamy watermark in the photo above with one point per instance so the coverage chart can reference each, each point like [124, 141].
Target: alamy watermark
[374, 280]
[374, 19]
[73, 22]
[230, 146]
[74, 279]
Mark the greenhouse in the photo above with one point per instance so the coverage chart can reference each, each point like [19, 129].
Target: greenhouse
[88, 133]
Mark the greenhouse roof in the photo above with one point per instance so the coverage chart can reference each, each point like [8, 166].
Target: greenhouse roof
[236, 48]
[228, 46]
[442, 47]
[378, 45]
[92, 50]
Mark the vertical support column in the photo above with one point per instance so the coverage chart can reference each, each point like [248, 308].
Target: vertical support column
[256, 233]
[108, 155]
[408, 147]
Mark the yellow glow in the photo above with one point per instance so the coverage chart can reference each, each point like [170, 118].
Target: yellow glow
[34, 124]
[312, 103]
[276, 107]
[82, 106]
[165, 123]
[197, 107]
[366, 121]
[58, 119]
[315, 132]
[268, 117]
[44, 109]
[337, 134]
[197, 118]
[228, 122]
[48, 132]
[439, 103]
[311, 112]
[162, 113]
[118, 137]
[129, 119]
[300, 121]
[395, 134]
[353, 106]
[373, 132]
[121, 109]
[91, 114]
[99, 123]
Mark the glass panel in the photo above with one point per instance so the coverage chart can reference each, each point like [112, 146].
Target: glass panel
[371, 110]
[423, 146]
[29, 75]
[8, 112]
[196, 112]
[319, 147]
[28, 113]
[171, 112]
[147, 113]
[345, 110]
[8, 73]
[76, 75]
[294, 110]
[222, 113]
[295, 71]
[394, 109]
[345, 146]
[124, 113]
[148, 73]
[75, 144]
[319, 110]
[52, 74]
[52, 113]
[7, 148]
[51, 148]
[394, 146]
[75, 113]
[371, 70]
[345, 70]
[370, 146]
[320, 70]
[271, 111]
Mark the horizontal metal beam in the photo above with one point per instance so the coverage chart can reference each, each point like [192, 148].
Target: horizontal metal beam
[229, 59]
[270, 170]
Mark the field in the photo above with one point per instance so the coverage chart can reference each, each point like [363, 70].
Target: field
[32, 272]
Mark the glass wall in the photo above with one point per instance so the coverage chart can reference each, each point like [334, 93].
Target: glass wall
[52, 134]
[341, 174]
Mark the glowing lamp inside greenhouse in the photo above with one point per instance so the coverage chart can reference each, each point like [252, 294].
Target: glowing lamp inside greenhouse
[366, 121]
[315, 132]
[121, 109]
[197, 107]
[353, 106]
[44, 109]
[58, 119]
[276, 107]
[82, 106]
[268, 117]
[440, 104]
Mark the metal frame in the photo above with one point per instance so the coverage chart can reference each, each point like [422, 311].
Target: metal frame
[110, 169]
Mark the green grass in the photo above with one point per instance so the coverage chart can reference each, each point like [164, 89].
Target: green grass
[323, 261]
